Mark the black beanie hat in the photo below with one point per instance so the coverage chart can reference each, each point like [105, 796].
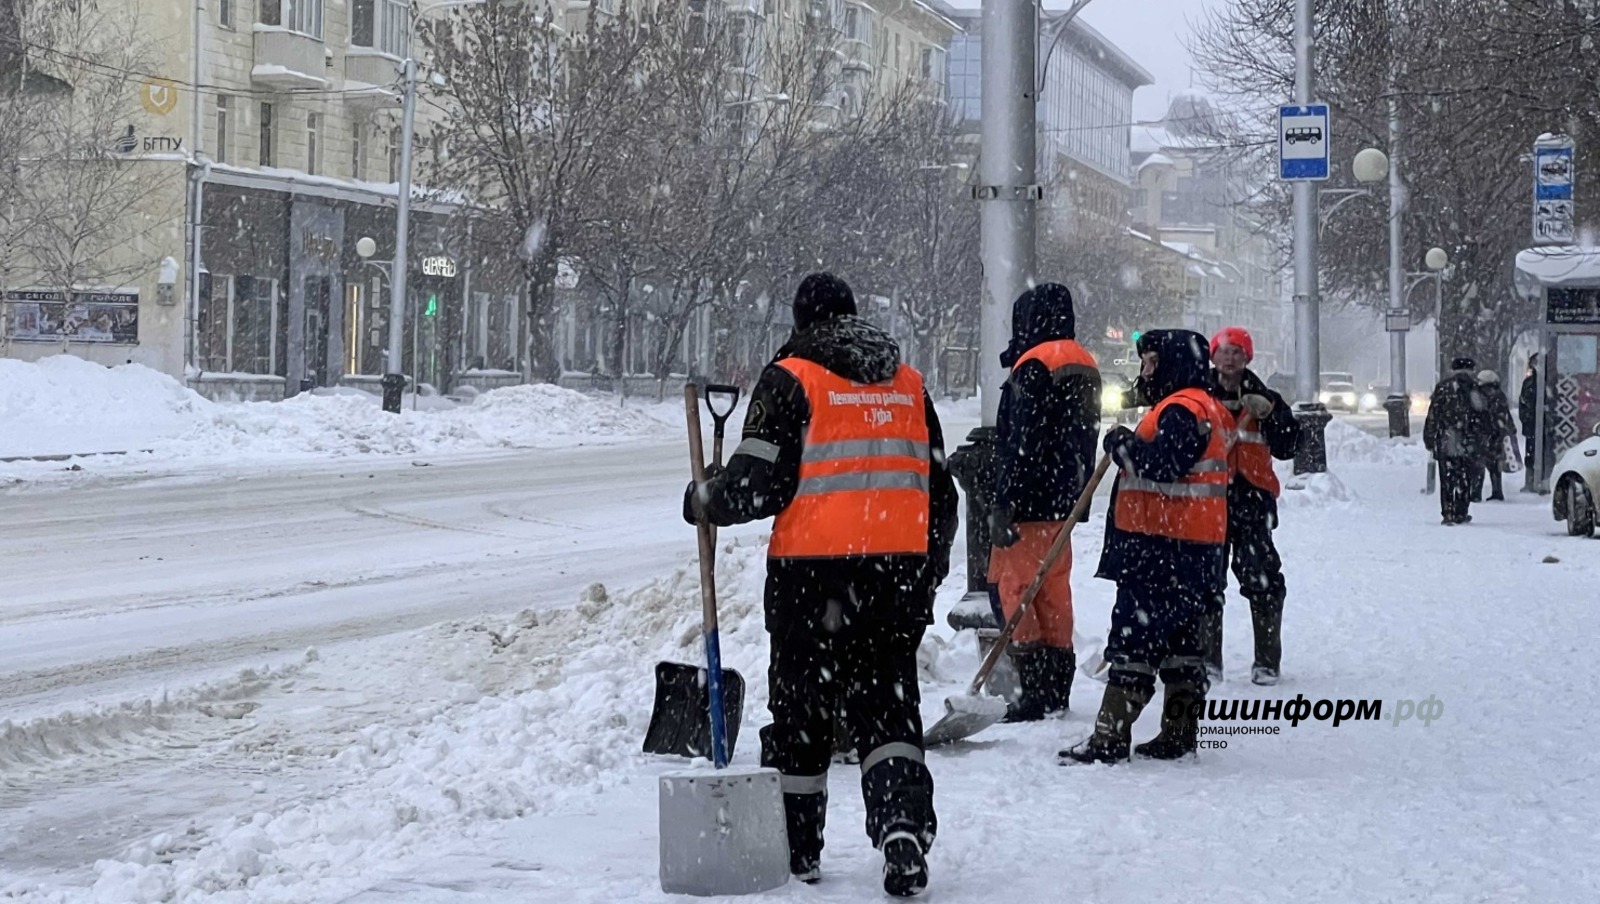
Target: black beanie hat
[821, 296]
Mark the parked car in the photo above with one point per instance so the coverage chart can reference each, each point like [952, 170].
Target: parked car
[1575, 485]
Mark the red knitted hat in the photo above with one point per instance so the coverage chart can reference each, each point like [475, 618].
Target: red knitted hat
[1236, 336]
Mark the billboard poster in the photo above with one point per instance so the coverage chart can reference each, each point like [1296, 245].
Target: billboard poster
[48, 315]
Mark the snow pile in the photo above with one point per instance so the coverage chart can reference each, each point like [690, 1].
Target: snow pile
[1348, 444]
[579, 685]
[65, 405]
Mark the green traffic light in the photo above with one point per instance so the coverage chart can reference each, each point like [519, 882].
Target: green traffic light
[433, 307]
[1136, 336]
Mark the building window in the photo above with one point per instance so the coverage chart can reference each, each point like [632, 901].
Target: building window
[358, 147]
[362, 29]
[266, 134]
[225, 14]
[313, 147]
[271, 13]
[304, 16]
[224, 127]
[394, 154]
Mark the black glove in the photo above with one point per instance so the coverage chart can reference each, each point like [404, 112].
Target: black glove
[1002, 529]
[691, 512]
[1116, 438]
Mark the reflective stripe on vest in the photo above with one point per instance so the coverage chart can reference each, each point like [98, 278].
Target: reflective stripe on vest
[864, 468]
[1251, 458]
[1194, 508]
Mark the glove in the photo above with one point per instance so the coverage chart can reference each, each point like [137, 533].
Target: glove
[691, 495]
[1002, 530]
[1258, 405]
[1116, 438]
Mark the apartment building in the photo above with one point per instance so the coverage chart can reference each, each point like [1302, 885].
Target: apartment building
[1085, 117]
[286, 156]
[1191, 195]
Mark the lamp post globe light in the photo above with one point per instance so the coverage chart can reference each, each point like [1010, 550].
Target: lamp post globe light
[1370, 165]
[1437, 259]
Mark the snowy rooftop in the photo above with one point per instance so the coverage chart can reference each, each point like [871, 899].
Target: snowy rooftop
[1557, 265]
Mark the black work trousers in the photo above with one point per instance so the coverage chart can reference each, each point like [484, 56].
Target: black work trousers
[1158, 630]
[869, 669]
[1456, 476]
[1259, 571]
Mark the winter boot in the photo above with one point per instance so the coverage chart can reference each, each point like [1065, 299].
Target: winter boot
[1113, 727]
[1211, 641]
[1180, 725]
[1045, 674]
[905, 869]
[804, 816]
[1264, 676]
[1031, 677]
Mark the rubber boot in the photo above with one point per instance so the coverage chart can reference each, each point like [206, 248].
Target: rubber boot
[1061, 666]
[1180, 725]
[1113, 727]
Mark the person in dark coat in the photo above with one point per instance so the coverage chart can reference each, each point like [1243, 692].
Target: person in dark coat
[1165, 535]
[1267, 430]
[1046, 432]
[1453, 432]
[1497, 429]
[1528, 413]
[842, 446]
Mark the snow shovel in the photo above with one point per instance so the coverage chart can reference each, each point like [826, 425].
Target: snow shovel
[971, 713]
[692, 716]
[722, 831]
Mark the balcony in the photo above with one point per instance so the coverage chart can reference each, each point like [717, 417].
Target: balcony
[288, 60]
[857, 54]
[371, 77]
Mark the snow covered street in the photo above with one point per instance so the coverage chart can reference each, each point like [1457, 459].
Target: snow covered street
[370, 683]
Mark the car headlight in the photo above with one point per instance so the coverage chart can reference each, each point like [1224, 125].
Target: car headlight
[1324, 397]
[1111, 398]
[1370, 400]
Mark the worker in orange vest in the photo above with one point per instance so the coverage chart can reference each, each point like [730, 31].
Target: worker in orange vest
[1266, 430]
[1046, 432]
[1164, 547]
[842, 446]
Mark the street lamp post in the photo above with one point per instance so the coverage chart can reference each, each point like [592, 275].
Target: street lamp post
[1312, 456]
[394, 381]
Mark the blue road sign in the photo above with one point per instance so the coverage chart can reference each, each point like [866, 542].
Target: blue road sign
[1304, 140]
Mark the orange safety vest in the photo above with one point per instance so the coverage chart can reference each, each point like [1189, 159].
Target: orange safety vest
[1061, 356]
[1251, 458]
[1193, 508]
[864, 468]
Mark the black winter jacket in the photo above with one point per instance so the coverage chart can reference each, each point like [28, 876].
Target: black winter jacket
[1246, 501]
[1180, 442]
[1527, 410]
[1049, 424]
[1457, 414]
[762, 474]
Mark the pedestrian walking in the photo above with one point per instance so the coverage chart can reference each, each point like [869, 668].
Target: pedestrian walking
[1453, 433]
[842, 447]
[1498, 430]
[1265, 429]
[1164, 549]
[1046, 433]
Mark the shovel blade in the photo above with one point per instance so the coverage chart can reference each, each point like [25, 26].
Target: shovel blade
[680, 722]
[963, 718]
[723, 832]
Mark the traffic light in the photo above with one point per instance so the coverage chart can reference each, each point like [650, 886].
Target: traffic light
[1136, 335]
[432, 310]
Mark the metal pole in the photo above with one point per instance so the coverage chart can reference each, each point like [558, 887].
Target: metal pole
[394, 380]
[1313, 417]
[1399, 401]
[1007, 192]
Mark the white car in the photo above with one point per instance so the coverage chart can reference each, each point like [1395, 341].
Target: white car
[1576, 485]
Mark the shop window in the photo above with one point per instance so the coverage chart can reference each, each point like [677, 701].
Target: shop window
[237, 330]
[501, 353]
